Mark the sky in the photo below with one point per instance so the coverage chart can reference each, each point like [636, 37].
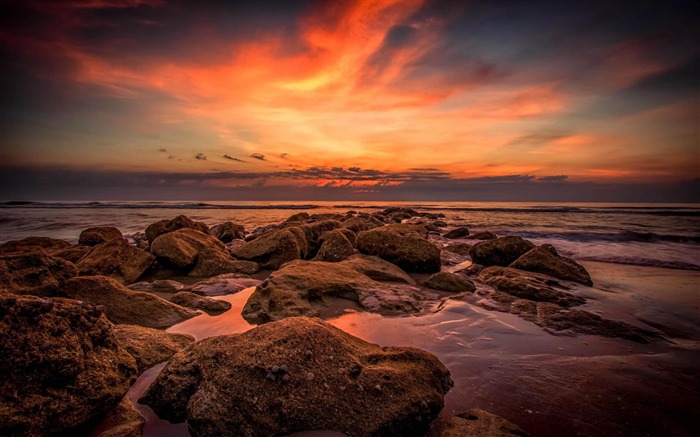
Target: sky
[368, 100]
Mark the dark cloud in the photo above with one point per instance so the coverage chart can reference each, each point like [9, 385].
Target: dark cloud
[259, 156]
[283, 155]
[163, 150]
[200, 156]
[233, 158]
[557, 178]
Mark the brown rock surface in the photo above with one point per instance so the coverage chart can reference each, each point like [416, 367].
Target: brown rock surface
[227, 385]
[460, 232]
[545, 259]
[150, 346]
[181, 247]
[217, 262]
[36, 274]
[121, 421]
[358, 224]
[227, 232]
[73, 253]
[61, 365]
[122, 305]
[270, 250]
[32, 245]
[335, 247]
[117, 259]
[410, 252]
[449, 282]
[474, 423]
[499, 252]
[221, 285]
[98, 235]
[529, 285]
[158, 286]
[161, 227]
[305, 287]
[197, 302]
[377, 269]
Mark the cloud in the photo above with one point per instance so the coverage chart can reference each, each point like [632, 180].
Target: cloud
[233, 158]
[259, 156]
[162, 150]
[200, 156]
[557, 178]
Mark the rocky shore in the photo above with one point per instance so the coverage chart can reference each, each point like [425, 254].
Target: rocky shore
[79, 323]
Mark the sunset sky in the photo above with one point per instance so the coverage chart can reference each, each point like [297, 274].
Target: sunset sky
[461, 100]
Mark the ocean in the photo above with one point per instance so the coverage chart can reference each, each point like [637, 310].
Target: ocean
[660, 235]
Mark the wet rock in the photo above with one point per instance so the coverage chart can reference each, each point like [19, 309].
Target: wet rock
[158, 286]
[37, 274]
[306, 287]
[448, 258]
[300, 217]
[410, 252]
[197, 302]
[33, 245]
[350, 235]
[61, 366]
[439, 224]
[474, 423]
[377, 269]
[485, 235]
[150, 346]
[335, 247]
[139, 239]
[449, 282]
[313, 232]
[122, 305]
[529, 285]
[458, 248]
[117, 259]
[224, 284]
[271, 250]
[545, 259]
[181, 247]
[499, 252]
[162, 227]
[121, 421]
[216, 262]
[300, 238]
[220, 385]
[73, 253]
[460, 232]
[98, 235]
[358, 224]
[227, 232]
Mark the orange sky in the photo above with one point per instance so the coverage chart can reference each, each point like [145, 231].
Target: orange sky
[406, 89]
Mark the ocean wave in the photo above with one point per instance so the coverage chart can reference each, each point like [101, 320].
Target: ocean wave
[640, 261]
[617, 237]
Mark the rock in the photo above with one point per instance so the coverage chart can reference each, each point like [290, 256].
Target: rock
[300, 238]
[545, 259]
[37, 274]
[181, 247]
[227, 232]
[73, 253]
[98, 235]
[121, 421]
[334, 247]
[439, 224]
[458, 248]
[474, 423]
[216, 262]
[486, 235]
[449, 282]
[313, 232]
[300, 217]
[499, 252]
[528, 285]
[460, 232]
[159, 228]
[411, 253]
[117, 259]
[377, 269]
[33, 245]
[271, 250]
[358, 224]
[350, 235]
[140, 240]
[448, 258]
[197, 302]
[150, 346]
[122, 305]
[61, 366]
[220, 385]
[221, 285]
[158, 286]
[305, 287]
[415, 229]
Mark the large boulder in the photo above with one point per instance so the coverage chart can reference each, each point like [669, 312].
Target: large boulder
[197, 302]
[122, 305]
[150, 346]
[474, 423]
[33, 245]
[499, 252]
[377, 269]
[221, 285]
[98, 235]
[313, 232]
[270, 250]
[335, 247]
[117, 259]
[305, 288]
[545, 259]
[299, 374]
[410, 252]
[73, 253]
[358, 224]
[227, 232]
[161, 227]
[529, 285]
[460, 232]
[37, 274]
[61, 365]
[158, 286]
[180, 248]
[213, 262]
[451, 282]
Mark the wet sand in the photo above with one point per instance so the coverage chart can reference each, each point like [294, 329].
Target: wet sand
[549, 385]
